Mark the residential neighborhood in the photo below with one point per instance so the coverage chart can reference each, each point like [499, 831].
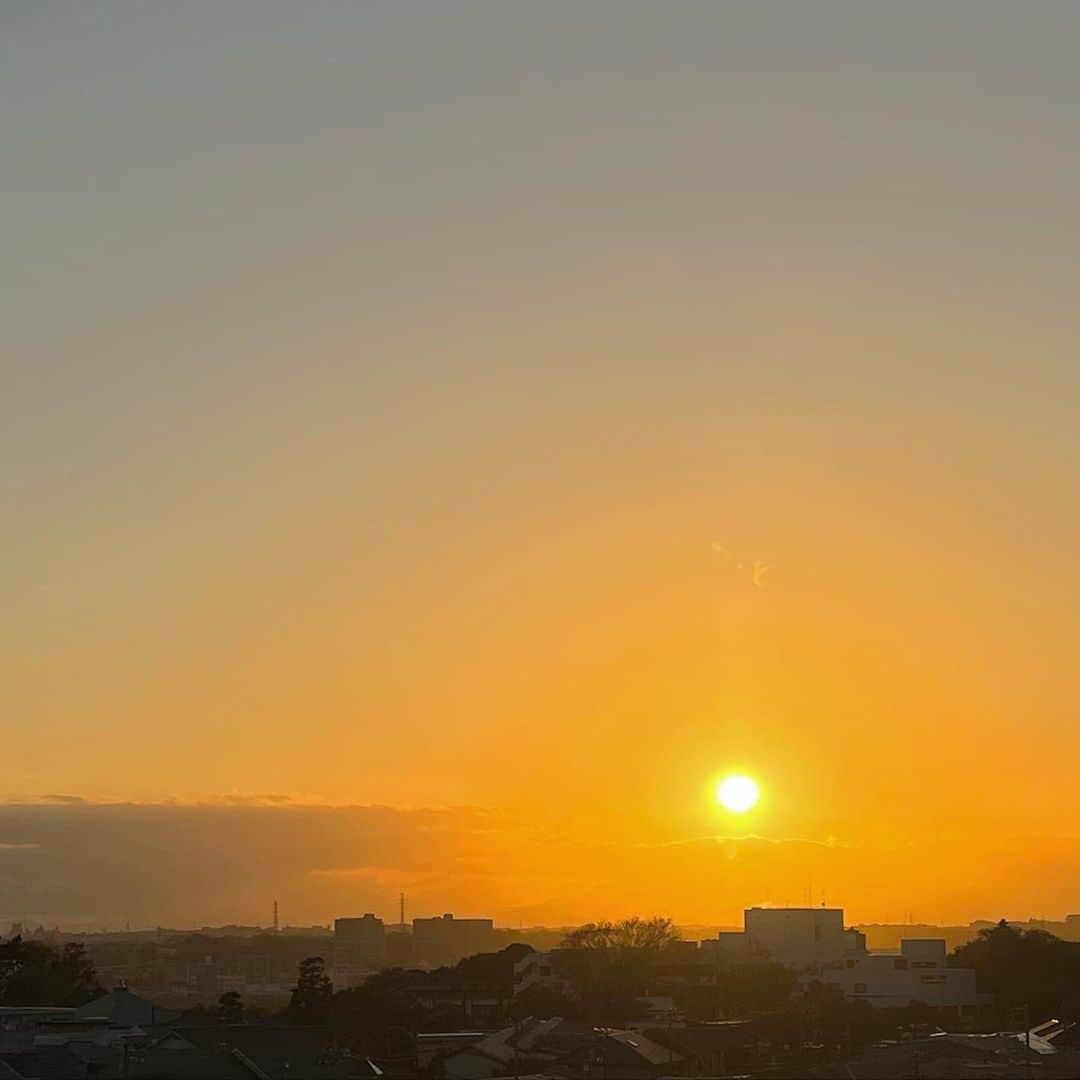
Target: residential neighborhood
[795, 992]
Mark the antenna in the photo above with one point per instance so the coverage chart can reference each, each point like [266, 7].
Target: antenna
[402, 904]
[277, 926]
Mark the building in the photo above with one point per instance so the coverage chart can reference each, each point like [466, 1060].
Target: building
[815, 942]
[628, 1055]
[918, 973]
[399, 948]
[557, 1047]
[495, 1054]
[123, 1008]
[541, 971]
[359, 949]
[446, 940]
[807, 939]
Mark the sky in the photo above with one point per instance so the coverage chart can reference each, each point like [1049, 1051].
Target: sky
[517, 416]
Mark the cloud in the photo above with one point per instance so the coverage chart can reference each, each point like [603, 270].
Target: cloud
[151, 863]
[257, 800]
[754, 838]
[93, 865]
[381, 875]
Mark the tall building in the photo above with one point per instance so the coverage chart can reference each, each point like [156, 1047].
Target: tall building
[359, 949]
[802, 938]
[447, 940]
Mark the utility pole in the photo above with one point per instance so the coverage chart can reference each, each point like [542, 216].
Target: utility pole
[402, 902]
[1027, 1041]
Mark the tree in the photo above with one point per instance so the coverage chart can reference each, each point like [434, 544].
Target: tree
[230, 1008]
[372, 1017]
[543, 1002]
[1024, 969]
[755, 986]
[613, 964]
[32, 973]
[491, 972]
[73, 978]
[646, 935]
[313, 997]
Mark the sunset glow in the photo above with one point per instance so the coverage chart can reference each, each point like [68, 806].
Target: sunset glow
[593, 436]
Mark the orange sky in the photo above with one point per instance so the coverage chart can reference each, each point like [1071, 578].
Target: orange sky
[515, 414]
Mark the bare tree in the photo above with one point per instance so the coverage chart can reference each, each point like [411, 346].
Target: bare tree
[636, 934]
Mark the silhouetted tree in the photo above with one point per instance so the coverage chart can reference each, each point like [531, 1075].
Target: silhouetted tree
[1024, 968]
[647, 935]
[543, 1002]
[754, 987]
[32, 973]
[230, 1008]
[612, 965]
[312, 1000]
[493, 972]
[370, 1018]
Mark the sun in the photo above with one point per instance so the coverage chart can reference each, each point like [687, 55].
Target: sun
[737, 794]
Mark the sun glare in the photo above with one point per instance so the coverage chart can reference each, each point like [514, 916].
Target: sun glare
[737, 794]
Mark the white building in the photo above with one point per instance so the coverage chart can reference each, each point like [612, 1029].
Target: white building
[918, 973]
[815, 943]
[539, 969]
[807, 939]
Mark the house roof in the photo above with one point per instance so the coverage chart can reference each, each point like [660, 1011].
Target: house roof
[159, 1063]
[277, 1052]
[126, 1009]
[948, 1056]
[503, 1045]
[615, 1046]
[643, 1047]
[705, 1038]
[44, 1063]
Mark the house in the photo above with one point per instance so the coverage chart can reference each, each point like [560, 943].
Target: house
[253, 1052]
[492, 1055]
[627, 1055]
[125, 1009]
[947, 1056]
[708, 1048]
[541, 970]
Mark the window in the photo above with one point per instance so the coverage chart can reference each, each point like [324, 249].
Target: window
[860, 988]
[850, 963]
[928, 979]
[900, 964]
